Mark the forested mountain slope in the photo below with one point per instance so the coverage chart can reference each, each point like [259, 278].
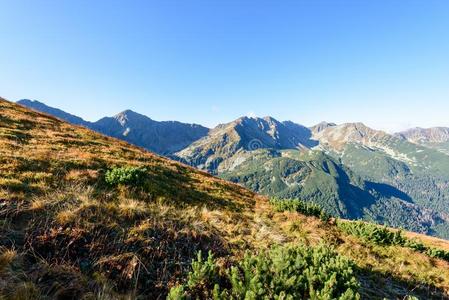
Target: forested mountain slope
[411, 180]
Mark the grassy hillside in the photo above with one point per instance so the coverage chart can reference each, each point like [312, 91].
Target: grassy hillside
[64, 225]
[83, 216]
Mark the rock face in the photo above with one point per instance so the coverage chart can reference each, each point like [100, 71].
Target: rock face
[321, 126]
[337, 136]
[436, 137]
[163, 138]
[229, 144]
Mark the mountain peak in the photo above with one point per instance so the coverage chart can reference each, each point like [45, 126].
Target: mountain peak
[425, 135]
[128, 115]
[244, 118]
[29, 101]
[340, 135]
[127, 111]
[161, 137]
[321, 126]
[360, 125]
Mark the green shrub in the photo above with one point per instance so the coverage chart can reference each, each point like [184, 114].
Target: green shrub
[373, 233]
[132, 176]
[381, 235]
[306, 208]
[280, 273]
[204, 273]
[415, 245]
[202, 281]
[437, 253]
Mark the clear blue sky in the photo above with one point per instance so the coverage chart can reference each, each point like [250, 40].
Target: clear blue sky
[385, 63]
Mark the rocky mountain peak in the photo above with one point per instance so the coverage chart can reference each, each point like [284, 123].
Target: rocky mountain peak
[321, 126]
[128, 116]
[425, 135]
[339, 135]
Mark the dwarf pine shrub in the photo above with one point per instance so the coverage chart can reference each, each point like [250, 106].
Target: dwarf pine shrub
[203, 271]
[415, 245]
[376, 234]
[437, 253]
[280, 273]
[306, 208]
[381, 235]
[132, 176]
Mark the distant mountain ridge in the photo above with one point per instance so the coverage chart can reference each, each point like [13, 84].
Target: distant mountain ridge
[435, 137]
[426, 135]
[321, 126]
[39, 106]
[164, 137]
[339, 135]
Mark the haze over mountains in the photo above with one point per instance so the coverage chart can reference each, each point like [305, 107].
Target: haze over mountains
[353, 171]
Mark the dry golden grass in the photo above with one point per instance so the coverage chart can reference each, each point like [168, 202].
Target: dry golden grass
[68, 233]
[131, 208]
[6, 258]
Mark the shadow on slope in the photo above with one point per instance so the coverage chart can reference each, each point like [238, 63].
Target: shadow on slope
[387, 191]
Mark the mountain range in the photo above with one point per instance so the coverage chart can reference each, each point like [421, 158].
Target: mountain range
[351, 170]
[160, 137]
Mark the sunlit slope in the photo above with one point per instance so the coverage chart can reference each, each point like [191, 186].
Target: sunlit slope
[56, 207]
[68, 232]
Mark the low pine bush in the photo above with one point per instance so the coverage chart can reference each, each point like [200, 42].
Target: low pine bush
[280, 273]
[131, 176]
[305, 208]
[438, 253]
[202, 281]
[376, 234]
[415, 245]
[381, 235]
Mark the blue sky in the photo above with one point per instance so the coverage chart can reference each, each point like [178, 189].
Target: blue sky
[385, 63]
